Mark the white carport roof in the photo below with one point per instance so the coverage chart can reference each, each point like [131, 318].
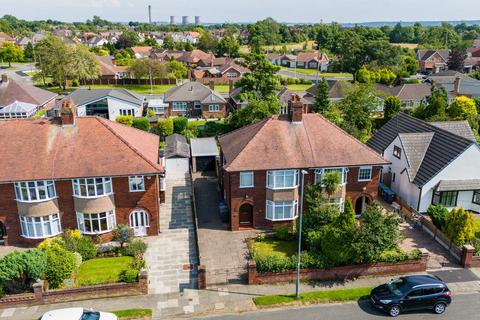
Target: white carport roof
[204, 147]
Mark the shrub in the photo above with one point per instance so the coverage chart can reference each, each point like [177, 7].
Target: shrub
[397, 255]
[275, 263]
[126, 120]
[135, 248]
[141, 123]
[180, 125]
[75, 83]
[460, 227]
[283, 232]
[128, 276]
[19, 269]
[261, 237]
[439, 215]
[86, 248]
[60, 266]
[137, 264]
[78, 260]
[336, 244]
[165, 127]
[313, 241]
[150, 113]
[73, 241]
[122, 234]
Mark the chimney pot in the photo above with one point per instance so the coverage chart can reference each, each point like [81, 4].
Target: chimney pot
[296, 112]
[67, 113]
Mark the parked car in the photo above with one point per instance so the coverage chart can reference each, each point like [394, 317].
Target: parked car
[77, 314]
[412, 293]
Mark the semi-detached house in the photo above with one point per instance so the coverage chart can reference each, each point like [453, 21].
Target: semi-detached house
[262, 167]
[85, 173]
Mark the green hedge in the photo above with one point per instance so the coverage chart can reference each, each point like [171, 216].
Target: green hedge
[283, 264]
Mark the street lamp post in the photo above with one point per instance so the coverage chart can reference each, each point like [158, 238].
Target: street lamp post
[297, 287]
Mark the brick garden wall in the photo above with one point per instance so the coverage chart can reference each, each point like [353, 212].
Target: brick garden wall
[343, 272]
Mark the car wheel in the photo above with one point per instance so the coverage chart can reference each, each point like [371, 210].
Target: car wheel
[394, 311]
[439, 308]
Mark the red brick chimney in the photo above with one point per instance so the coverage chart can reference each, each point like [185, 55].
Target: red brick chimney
[67, 113]
[4, 78]
[296, 109]
[456, 85]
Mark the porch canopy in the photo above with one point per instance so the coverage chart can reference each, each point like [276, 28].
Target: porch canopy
[459, 185]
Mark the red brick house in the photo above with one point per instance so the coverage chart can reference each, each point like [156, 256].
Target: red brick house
[85, 173]
[262, 165]
[433, 61]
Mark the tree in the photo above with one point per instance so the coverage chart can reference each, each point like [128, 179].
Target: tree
[409, 64]
[262, 80]
[122, 234]
[456, 60]
[10, 52]
[228, 46]
[436, 106]
[123, 57]
[60, 266]
[141, 123]
[349, 50]
[176, 70]
[348, 217]
[151, 42]
[322, 100]
[363, 75]
[391, 108]
[331, 182]
[21, 268]
[145, 67]
[180, 125]
[126, 120]
[460, 227]
[463, 108]
[439, 215]
[256, 110]
[29, 52]
[83, 64]
[168, 43]
[165, 127]
[127, 40]
[207, 42]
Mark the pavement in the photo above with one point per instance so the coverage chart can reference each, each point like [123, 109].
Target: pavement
[237, 298]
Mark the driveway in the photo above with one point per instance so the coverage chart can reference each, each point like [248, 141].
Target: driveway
[172, 256]
[223, 252]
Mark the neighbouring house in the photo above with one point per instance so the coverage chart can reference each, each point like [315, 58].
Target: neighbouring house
[5, 37]
[106, 103]
[193, 99]
[262, 167]
[312, 60]
[20, 100]
[432, 61]
[165, 55]
[156, 103]
[431, 163]
[110, 71]
[187, 36]
[141, 51]
[411, 95]
[196, 58]
[94, 41]
[231, 71]
[69, 172]
[274, 58]
[286, 98]
[457, 84]
[338, 90]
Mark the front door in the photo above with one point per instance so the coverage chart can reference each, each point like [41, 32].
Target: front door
[361, 204]
[139, 222]
[246, 215]
[3, 232]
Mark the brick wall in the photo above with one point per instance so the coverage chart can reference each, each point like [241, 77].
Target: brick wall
[125, 203]
[343, 272]
[210, 115]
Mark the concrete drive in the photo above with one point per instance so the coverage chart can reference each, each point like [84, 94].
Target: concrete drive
[223, 252]
[172, 256]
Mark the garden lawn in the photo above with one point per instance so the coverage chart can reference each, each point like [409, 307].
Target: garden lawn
[101, 270]
[298, 87]
[133, 314]
[314, 297]
[272, 247]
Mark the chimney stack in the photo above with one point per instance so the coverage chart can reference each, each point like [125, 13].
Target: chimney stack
[296, 109]
[456, 85]
[67, 113]
[4, 78]
[211, 84]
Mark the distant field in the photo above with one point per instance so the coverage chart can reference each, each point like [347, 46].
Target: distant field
[412, 46]
[290, 46]
[298, 87]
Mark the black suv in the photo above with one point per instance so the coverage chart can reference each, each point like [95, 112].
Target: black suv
[412, 293]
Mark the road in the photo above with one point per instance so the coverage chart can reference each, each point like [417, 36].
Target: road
[17, 71]
[293, 74]
[464, 306]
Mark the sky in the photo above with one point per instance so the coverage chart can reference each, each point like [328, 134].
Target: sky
[245, 10]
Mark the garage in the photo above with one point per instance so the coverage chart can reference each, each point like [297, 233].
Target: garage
[204, 153]
[177, 156]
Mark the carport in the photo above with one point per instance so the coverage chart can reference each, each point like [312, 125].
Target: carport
[177, 156]
[204, 154]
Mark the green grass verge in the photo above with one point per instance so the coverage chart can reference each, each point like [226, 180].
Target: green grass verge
[298, 87]
[323, 296]
[271, 247]
[133, 314]
[101, 270]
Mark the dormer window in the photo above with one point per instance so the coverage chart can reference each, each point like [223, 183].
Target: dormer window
[397, 152]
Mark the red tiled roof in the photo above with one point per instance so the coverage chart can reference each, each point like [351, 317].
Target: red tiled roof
[276, 143]
[141, 49]
[93, 147]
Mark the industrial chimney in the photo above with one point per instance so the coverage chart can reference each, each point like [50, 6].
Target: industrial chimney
[149, 14]
[185, 20]
[197, 20]
[172, 20]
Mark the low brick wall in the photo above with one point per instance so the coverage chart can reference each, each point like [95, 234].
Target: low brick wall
[343, 272]
[40, 296]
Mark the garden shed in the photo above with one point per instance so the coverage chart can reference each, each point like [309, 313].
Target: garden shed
[177, 156]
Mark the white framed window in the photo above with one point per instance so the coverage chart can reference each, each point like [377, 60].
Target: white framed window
[365, 173]
[231, 75]
[127, 112]
[139, 218]
[282, 179]
[92, 187]
[40, 227]
[339, 202]
[162, 184]
[96, 223]
[34, 191]
[281, 210]
[179, 106]
[213, 108]
[246, 179]
[136, 183]
[320, 172]
[197, 105]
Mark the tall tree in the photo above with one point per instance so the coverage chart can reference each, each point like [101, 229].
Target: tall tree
[262, 80]
[322, 100]
[10, 52]
[207, 42]
[146, 67]
[228, 46]
[391, 108]
[456, 60]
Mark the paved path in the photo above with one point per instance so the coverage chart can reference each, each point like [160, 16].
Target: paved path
[172, 256]
[223, 252]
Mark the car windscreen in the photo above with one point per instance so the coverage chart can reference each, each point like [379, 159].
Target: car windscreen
[398, 286]
[90, 315]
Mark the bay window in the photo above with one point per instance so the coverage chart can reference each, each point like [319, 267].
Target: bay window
[179, 106]
[136, 183]
[320, 174]
[32, 191]
[281, 210]
[92, 187]
[282, 179]
[95, 223]
[40, 227]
